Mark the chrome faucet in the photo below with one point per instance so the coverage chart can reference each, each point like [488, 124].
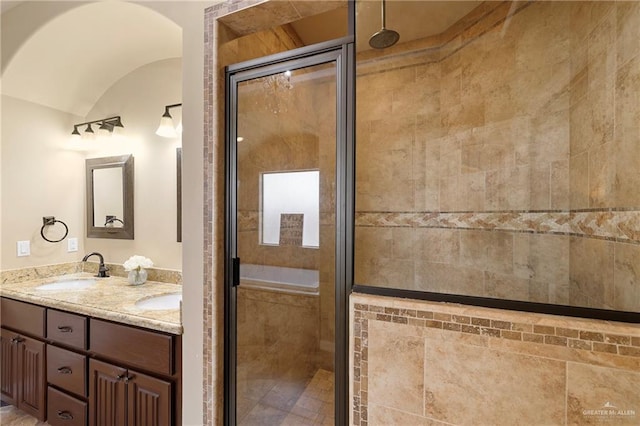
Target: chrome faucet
[102, 270]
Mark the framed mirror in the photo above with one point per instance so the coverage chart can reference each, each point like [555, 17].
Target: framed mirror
[109, 185]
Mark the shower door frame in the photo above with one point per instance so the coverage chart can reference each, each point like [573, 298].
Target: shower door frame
[342, 52]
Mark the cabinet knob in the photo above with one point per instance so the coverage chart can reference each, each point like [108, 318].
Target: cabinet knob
[65, 415]
[65, 329]
[17, 339]
[64, 370]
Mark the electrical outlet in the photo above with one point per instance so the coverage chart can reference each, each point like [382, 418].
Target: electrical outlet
[24, 248]
[72, 244]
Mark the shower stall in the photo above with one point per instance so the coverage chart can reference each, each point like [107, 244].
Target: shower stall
[496, 158]
[288, 149]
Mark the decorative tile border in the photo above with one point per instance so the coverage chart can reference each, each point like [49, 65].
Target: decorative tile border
[360, 380]
[614, 225]
[247, 220]
[571, 338]
[250, 220]
[210, 124]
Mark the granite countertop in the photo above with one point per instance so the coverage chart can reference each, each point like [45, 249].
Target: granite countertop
[110, 298]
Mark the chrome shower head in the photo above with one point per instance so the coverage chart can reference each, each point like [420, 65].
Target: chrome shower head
[385, 37]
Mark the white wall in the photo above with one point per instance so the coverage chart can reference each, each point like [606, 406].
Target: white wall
[44, 174]
[139, 98]
[41, 176]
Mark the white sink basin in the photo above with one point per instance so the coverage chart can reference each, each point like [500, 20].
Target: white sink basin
[71, 284]
[158, 303]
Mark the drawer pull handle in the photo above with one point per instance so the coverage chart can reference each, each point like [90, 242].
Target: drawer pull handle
[17, 339]
[64, 370]
[65, 415]
[65, 329]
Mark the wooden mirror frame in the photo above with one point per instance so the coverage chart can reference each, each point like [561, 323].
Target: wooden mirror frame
[125, 162]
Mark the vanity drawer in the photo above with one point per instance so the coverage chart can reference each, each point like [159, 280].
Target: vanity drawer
[65, 410]
[67, 329]
[23, 317]
[67, 370]
[149, 350]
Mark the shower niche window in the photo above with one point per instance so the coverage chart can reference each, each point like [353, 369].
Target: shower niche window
[290, 208]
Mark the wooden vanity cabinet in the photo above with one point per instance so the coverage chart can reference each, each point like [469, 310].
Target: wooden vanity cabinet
[23, 357]
[137, 377]
[123, 396]
[74, 370]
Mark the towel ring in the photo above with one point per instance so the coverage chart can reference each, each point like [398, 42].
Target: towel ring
[50, 220]
[111, 220]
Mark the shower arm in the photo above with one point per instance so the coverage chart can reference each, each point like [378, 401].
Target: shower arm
[384, 16]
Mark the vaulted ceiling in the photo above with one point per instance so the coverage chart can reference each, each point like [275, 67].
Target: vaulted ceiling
[65, 55]
[78, 52]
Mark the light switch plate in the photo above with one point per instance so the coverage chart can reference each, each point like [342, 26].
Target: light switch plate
[72, 244]
[23, 248]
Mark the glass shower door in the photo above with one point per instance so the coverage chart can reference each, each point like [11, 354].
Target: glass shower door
[283, 296]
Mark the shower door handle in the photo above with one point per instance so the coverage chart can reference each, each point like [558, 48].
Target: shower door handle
[236, 272]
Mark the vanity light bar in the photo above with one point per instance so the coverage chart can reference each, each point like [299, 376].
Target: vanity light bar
[106, 124]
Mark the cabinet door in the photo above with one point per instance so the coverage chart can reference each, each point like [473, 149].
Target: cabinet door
[107, 394]
[32, 386]
[8, 367]
[149, 400]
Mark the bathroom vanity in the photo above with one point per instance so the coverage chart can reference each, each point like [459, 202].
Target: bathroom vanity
[101, 362]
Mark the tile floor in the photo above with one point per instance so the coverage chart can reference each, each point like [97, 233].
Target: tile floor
[293, 404]
[11, 416]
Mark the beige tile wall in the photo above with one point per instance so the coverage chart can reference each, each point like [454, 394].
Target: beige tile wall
[280, 134]
[591, 376]
[290, 128]
[276, 348]
[424, 363]
[531, 109]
